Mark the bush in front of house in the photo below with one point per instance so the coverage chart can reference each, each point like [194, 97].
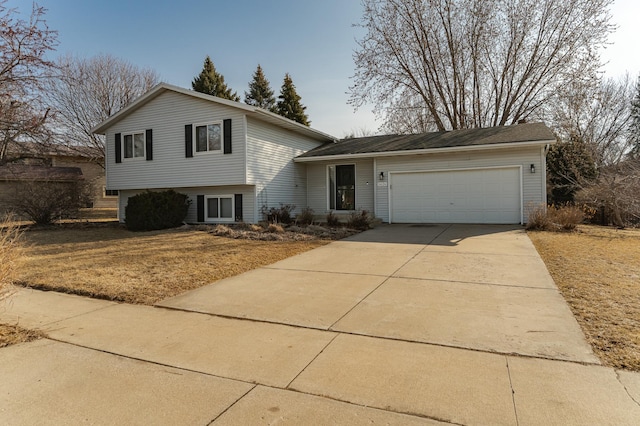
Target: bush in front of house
[305, 217]
[280, 214]
[360, 220]
[332, 219]
[557, 218]
[149, 210]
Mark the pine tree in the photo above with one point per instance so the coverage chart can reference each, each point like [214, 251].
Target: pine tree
[260, 93]
[289, 105]
[211, 82]
[635, 122]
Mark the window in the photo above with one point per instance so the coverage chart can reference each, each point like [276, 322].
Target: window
[134, 145]
[208, 137]
[342, 187]
[219, 208]
[110, 192]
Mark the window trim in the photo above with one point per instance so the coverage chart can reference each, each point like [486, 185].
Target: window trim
[133, 147]
[219, 219]
[328, 181]
[113, 192]
[194, 138]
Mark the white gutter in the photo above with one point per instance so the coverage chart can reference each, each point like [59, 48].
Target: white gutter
[423, 151]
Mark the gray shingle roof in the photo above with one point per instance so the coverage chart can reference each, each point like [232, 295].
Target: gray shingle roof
[529, 132]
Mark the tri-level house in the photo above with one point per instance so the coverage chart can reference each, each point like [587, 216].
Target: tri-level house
[233, 159]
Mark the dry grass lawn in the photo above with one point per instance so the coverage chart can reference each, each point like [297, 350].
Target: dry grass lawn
[12, 334]
[598, 272]
[112, 263]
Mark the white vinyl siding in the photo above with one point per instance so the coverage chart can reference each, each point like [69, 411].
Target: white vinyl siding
[270, 165]
[248, 197]
[532, 183]
[318, 190]
[167, 115]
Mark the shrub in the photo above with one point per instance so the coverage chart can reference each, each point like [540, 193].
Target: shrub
[156, 210]
[10, 254]
[359, 220]
[280, 214]
[305, 217]
[47, 201]
[538, 219]
[566, 217]
[556, 218]
[274, 228]
[332, 219]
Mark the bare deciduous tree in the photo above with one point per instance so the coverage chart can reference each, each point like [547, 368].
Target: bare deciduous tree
[599, 115]
[616, 190]
[452, 64]
[23, 70]
[88, 91]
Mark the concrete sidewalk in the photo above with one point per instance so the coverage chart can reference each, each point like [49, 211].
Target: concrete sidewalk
[400, 325]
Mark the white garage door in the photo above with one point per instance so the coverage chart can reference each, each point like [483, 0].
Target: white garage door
[462, 196]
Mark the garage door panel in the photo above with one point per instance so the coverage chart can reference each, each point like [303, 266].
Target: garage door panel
[467, 196]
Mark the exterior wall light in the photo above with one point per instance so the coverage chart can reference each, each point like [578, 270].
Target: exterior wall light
[533, 168]
[381, 176]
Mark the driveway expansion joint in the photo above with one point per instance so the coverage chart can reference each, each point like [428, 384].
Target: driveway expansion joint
[234, 403]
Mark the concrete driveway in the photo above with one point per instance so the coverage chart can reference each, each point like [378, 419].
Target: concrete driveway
[475, 287]
[420, 325]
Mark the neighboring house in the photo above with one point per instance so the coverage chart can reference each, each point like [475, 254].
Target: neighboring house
[12, 176]
[233, 159]
[33, 162]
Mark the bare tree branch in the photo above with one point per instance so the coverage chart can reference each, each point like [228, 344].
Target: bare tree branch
[88, 91]
[474, 63]
[23, 72]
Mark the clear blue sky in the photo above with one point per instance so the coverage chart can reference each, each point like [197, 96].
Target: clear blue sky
[313, 40]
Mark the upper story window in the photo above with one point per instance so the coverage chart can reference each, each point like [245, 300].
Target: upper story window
[134, 145]
[208, 137]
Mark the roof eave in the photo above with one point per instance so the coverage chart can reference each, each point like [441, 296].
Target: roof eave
[425, 151]
[260, 113]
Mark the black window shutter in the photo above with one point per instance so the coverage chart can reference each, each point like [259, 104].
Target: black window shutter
[118, 148]
[238, 207]
[200, 207]
[188, 140]
[149, 144]
[227, 136]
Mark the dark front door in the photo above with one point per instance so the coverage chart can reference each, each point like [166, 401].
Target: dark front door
[345, 187]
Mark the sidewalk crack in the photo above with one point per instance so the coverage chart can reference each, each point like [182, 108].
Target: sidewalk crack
[513, 392]
[625, 388]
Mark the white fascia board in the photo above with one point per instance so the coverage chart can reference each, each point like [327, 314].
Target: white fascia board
[423, 151]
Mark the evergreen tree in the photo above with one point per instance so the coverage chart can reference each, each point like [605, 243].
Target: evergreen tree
[260, 93]
[211, 82]
[635, 122]
[289, 105]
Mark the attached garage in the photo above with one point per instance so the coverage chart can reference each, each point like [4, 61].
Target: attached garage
[490, 195]
[493, 175]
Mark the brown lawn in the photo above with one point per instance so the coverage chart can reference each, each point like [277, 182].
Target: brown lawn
[11, 334]
[598, 272]
[112, 263]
